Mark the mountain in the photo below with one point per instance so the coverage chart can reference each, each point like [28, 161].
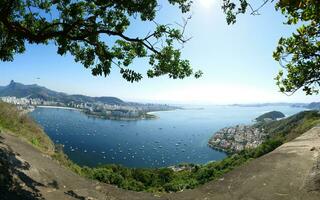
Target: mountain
[314, 106]
[20, 90]
[271, 104]
[32, 91]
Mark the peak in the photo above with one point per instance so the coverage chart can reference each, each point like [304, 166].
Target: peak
[13, 83]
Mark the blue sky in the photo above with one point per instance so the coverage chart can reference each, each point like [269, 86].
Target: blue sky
[236, 60]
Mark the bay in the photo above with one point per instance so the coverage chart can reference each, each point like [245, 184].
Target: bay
[178, 136]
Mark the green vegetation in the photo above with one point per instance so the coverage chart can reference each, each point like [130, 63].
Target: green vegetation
[21, 125]
[160, 179]
[81, 28]
[17, 123]
[273, 115]
[290, 128]
[298, 54]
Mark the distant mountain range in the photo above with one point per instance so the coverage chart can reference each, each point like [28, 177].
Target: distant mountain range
[271, 104]
[312, 106]
[34, 91]
[20, 90]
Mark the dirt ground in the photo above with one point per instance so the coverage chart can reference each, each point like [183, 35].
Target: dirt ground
[290, 172]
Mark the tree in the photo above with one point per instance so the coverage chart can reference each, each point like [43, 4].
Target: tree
[299, 54]
[94, 33]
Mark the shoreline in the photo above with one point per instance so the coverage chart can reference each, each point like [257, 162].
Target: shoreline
[156, 112]
[58, 107]
[147, 116]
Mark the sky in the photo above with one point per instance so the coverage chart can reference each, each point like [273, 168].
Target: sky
[236, 61]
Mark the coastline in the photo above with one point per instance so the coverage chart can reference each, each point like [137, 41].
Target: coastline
[156, 112]
[59, 107]
[227, 151]
[147, 116]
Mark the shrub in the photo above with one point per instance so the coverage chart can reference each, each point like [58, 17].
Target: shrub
[21, 125]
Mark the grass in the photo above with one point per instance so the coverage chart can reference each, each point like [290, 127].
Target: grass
[158, 179]
[17, 123]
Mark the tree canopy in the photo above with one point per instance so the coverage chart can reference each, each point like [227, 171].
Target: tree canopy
[94, 32]
[299, 54]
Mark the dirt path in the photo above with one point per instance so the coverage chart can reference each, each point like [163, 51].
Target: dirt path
[292, 171]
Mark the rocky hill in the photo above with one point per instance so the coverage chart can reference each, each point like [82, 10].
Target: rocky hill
[269, 116]
[314, 106]
[20, 90]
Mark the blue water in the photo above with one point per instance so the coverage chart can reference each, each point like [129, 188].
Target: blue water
[178, 136]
